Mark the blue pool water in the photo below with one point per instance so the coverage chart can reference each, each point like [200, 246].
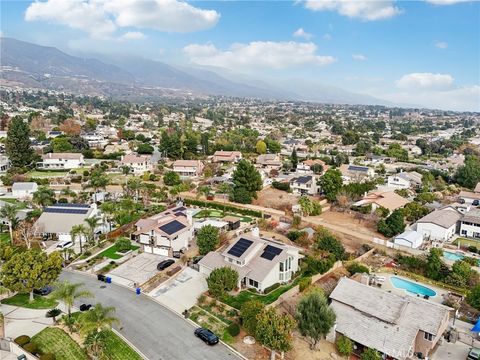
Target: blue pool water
[452, 256]
[411, 287]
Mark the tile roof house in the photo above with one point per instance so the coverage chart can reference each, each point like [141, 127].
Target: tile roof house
[306, 166]
[304, 185]
[470, 224]
[260, 262]
[139, 164]
[397, 326]
[226, 156]
[164, 233]
[389, 200]
[188, 168]
[269, 161]
[439, 225]
[58, 161]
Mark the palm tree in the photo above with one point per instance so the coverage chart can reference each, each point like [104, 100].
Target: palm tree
[134, 185]
[92, 224]
[44, 196]
[69, 193]
[98, 181]
[108, 209]
[68, 293]
[9, 213]
[79, 231]
[97, 319]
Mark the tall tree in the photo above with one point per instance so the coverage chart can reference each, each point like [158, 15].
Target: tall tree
[79, 232]
[98, 180]
[249, 313]
[92, 224]
[222, 280]
[274, 331]
[207, 239]
[247, 177]
[294, 158]
[31, 269]
[261, 147]
[331, 183]
[68, 292]
[44, 196]
[9, 213]
[18, 146]
[97, 319]
[315, 318]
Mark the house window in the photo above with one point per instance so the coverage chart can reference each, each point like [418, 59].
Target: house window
[253, 283]
[428, 336]
[281, 266]
[281, 277]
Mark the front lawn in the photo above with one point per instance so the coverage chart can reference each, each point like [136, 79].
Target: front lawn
[23, 300]
[4, 237]
[18, 203]
[467, 242]
[47, 173]
[117, 349]
[238, 300]
[212, 213]
[58, 342]
[112, 252]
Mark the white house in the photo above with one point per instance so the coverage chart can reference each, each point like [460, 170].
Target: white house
[138, 164]
[61, 161]
[260, 262]
[4, 164]
[356, 173]
[304, 185]
[307, 166]
[188, 168]
[439, 225]
[24, 189]
[409, 238]
[95, 140]
[405, 180]
[470, 224]
[164, 233]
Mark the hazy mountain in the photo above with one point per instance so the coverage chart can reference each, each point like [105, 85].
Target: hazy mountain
[30, 65]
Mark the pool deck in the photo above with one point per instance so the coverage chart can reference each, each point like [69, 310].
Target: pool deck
[388, 286]
[465, 254]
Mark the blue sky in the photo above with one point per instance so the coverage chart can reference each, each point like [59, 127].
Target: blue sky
[425, 52]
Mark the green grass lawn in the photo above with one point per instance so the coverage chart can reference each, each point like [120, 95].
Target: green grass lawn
[238, 300]
[23, 300]
[46, 173]
[19, 204]
[59, 343]
[4, 238]
[117, 349]
[467, 242]
[111, 252]
[213, 213]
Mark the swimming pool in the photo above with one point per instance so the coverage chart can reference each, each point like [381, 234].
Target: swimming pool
[453, 256]
[411, 287]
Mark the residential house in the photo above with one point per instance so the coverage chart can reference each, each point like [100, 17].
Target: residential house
[61, 161]
[138, 164]
[304, 185]
[269, 162]
[226, 156]
[188, 168]
[95, 140]
[56, 221]
[396, 326]
[470, 224]
[388, 200]
[306, 166]
[233, 222]
[405, 180]
[24, 189]
[4, 164]
[165, 233]
[116, 148]
[356, 173]
[439, 225]
[260, 262]
[409, 238]
[470, 197]
[378, 159]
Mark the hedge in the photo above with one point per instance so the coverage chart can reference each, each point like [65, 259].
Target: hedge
[48, 356]
[22, 340]
[32, 348]
[233, 329]
[284, 186]
[219, 206]
[271, 288]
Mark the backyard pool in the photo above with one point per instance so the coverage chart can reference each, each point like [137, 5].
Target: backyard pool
[412, 287]
[453, 256]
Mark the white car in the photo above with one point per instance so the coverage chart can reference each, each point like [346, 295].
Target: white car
[64, 244]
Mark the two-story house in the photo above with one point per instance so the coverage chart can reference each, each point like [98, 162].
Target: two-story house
[61, 161]
[405, 180]
[260, 262]
[304, 185]
[269, 162]
[470, 224]
[138, 164]
[439, 225]
[310, 166]
[226, 156]
[356, 173]
[188, 168]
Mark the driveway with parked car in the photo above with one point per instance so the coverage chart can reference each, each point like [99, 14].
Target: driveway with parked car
[156, 331]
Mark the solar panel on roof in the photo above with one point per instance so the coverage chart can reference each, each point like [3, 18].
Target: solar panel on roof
[179, 213]
[65, 211]
[270, 252]
[181, 208]
[357, 168]
[172, 227]
[68, 205]
[240, 247]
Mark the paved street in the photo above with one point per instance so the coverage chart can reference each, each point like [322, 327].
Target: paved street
[156, 331]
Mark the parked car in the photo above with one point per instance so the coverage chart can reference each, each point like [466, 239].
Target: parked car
[207, 336]
[85, 307]
[474, 354]
[43, 291]
[162, 265]
[64, 244]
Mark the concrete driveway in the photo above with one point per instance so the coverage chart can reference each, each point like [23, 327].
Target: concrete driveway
[446, 351]
[156, 331]
[136, 270]
[181, 292]
[23, 321]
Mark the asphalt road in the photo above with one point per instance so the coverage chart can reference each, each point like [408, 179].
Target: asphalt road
[156, 331]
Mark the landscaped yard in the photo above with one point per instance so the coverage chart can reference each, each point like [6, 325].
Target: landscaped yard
[58, 342]
[117, 349]
[23, 300]
[467, 242]
[112, 252]
[212, 213]
[4, 237]
[18, 203]
[46, 173]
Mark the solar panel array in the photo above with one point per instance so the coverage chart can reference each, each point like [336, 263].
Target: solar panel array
[67, 205]
[172, 227]
[181, 208]
[240, 247]
[357, 168]
[270, 252]
[65, 211]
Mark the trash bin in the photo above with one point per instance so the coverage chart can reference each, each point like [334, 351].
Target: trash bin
[109, 280]
[101, 277]
[138, 290]
[21, 357]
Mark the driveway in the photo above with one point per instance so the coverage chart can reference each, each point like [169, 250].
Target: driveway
[181, 292]
[156, 331]
[23, 321]
[447, 351]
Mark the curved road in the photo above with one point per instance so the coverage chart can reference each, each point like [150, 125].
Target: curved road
[156, 331]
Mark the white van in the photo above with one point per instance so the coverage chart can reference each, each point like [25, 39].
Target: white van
[64, 244]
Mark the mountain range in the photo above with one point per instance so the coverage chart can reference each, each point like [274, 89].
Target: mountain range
[28, 65]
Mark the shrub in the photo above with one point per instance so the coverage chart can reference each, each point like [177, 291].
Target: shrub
[271, 288]
[123, 244]
[171, 178]
[284, 186]
[344, 345]
[233, 329]
[201, 299]
[194, 317]
[22, 340]
[354, 268]
[472, 249]
[32, 348]
[328, 242]
[48, 356]
[222, 280]
[220, 206]
[304, 283]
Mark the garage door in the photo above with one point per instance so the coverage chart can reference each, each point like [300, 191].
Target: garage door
[147, 249]
[160, 251]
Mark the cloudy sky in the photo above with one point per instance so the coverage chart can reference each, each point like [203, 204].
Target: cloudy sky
[420, 52]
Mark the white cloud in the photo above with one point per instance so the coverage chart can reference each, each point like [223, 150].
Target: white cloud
[265, 54]
[425, 81]
[327, 36]
[101, 18]
[445, 2]
[441, 44]
[363, 9]
[359, 57]
[303, 34]
[132, 35]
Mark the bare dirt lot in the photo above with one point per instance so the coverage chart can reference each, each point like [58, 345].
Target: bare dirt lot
[275, 199]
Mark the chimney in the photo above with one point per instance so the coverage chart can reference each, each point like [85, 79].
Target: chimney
[256, 232]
